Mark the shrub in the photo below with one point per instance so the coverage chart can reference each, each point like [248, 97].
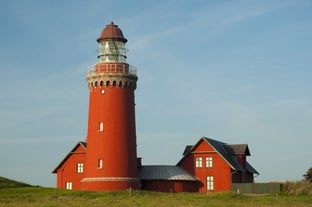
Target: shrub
[308, 175]
[297, 188]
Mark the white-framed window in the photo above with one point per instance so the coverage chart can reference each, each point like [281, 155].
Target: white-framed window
[210, 183]
[100, 164]
[101, 126]
[69, 185]
[198, 162]
[209, 162]
[80, 167]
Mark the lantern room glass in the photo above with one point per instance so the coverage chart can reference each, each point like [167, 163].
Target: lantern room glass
[112, 51]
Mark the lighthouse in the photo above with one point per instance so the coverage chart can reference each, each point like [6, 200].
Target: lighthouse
[107, 159]
[111, 156]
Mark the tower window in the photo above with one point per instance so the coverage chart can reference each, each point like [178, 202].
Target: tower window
[199, 162]
[208, 161]
[100, 164]
[80, 167]
[101, 126]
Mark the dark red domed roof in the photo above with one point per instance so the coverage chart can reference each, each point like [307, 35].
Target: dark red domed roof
[112, 32]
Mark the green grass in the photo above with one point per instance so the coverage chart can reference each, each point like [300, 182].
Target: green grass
[51, 197]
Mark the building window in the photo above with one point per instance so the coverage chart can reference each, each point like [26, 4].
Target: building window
[101, 126]
[210, 183]
[100, 164]
[80, 167]
[199, 162]
[208, 161]
[69, 185]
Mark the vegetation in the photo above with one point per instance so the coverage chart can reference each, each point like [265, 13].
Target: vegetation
[16, 194]
[5, 182]
[308, 175]
[50, 197]
[297, 188]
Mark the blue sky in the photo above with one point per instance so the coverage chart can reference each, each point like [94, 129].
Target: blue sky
[236, 71]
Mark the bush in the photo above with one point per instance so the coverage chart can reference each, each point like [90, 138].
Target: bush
[297, 188]
[308, 175]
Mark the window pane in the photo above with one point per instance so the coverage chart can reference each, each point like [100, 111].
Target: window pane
[101, 126]
[210, 183]
[198, 162]
[100, 164]
[80, 167]
[68, 185]
[208, 161]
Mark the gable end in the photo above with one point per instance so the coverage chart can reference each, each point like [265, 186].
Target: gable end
[73, 151]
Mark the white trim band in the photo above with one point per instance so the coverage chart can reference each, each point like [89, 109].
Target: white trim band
[110, 179]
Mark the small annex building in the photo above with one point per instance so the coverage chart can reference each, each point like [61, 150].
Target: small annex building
[207, 166]
[70, 171]
[167, 178]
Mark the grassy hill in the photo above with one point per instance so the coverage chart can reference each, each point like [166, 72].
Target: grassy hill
[7, 183]
[44, 197]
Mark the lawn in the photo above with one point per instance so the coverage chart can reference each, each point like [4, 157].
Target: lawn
[50, 197]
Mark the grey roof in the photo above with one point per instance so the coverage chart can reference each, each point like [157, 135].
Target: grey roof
[251, 169]
[165, 172]
[237, 149]
[226, 151]
[187, 149]
[232, 149]
[219, 147]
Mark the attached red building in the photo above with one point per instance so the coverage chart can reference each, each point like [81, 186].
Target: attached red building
[217, 165]
[70, 171]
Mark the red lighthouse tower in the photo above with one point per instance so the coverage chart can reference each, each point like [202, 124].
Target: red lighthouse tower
[111, 157]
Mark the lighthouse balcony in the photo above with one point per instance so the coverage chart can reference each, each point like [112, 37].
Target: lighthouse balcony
[111, 68]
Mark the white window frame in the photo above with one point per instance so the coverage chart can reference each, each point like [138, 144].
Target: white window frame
[79, 167]
[209, 162]
[198, 162]
[69, 185]
[210, 183]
